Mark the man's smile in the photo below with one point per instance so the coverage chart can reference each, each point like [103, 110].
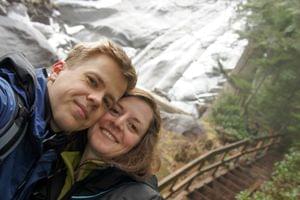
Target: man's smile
[82, 111]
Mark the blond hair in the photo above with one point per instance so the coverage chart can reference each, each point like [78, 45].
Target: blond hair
[84, 51]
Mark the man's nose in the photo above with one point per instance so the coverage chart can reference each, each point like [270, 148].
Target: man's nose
[96, 98]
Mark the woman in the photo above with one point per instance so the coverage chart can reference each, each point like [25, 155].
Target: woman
[117, 158]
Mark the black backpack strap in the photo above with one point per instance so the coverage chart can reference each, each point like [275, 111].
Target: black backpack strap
[12, 134]
[25, 74]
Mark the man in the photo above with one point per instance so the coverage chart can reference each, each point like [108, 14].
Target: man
[78, 91]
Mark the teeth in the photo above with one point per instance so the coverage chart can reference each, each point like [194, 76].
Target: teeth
[109, 135]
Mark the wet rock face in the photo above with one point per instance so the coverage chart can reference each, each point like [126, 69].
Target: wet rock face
[18, 32]
[3, 6]
[177, 43]
[18, 36]
[174, 43]
[125, 22]
[38, 10]
[74, 15]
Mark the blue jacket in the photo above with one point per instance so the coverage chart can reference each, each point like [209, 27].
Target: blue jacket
[28, 163]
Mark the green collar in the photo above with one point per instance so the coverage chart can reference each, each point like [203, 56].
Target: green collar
[74, 172]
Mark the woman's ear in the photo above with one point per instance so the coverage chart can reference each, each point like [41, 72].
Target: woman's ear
[56, 69]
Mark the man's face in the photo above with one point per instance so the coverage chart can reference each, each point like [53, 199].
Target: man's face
[79, 95]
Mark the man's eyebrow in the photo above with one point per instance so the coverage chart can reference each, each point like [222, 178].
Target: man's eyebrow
[112, 98]
[97, 76]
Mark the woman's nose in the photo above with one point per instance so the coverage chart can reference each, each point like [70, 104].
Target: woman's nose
[120, 121]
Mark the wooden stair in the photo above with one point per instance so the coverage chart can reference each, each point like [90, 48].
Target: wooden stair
[249, 176]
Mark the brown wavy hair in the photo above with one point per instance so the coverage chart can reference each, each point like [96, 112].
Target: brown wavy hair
[142, 160]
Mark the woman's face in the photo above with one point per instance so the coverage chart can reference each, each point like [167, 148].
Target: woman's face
[120, 129]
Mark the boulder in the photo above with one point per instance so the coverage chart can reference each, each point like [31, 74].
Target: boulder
[186, 125]
[3, 6]
[19, 36]
[75, 14]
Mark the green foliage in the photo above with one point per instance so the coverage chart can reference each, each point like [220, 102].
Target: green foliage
[268, 96]
[272, 85]
[273, 29]
[242, 84]
[227, 114]
[285, 182]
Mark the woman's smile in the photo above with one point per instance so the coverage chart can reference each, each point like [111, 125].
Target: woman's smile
[109, 135]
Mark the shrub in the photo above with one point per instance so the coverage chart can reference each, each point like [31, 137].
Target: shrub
[285, 182]
[228, 118]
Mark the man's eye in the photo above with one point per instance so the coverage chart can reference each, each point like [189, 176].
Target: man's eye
[92, 81]
[107, 103]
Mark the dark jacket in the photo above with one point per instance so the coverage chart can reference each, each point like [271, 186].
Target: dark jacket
[105, 184]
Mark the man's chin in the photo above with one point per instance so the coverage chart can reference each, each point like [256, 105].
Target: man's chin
[65, 125]
[54, 126]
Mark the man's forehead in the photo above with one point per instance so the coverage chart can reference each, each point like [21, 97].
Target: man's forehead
[113, 80]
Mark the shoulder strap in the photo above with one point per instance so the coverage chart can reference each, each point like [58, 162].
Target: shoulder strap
[25, 73]
[15, 132]
[11, 136]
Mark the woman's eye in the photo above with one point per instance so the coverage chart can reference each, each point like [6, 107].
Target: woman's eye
[92, 81]
[114, 112]
[132, 127]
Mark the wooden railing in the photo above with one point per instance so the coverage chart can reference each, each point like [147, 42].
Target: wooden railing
[212, 163]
